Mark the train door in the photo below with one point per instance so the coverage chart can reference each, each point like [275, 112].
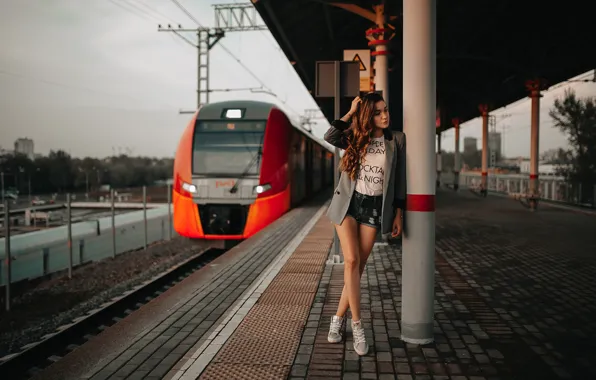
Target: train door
[294, 167]
[299, 177]
[317, 168]
[309, 168]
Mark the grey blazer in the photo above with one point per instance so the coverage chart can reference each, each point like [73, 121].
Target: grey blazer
[394, 183]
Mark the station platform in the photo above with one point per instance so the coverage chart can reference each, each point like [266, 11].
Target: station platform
[514, 299]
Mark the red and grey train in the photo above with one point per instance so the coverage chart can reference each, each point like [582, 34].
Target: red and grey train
[239, 166]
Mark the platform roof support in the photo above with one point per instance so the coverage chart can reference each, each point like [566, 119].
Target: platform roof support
[419, 90]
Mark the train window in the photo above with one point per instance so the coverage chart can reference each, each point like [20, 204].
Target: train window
[229, 125]
[220, 150]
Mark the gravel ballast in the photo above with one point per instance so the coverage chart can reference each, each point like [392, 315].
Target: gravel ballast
[58, 300]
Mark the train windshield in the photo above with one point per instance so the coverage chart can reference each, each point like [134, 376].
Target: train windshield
[229, 148]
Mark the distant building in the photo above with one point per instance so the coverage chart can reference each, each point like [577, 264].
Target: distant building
[470, 144]
[543, 168]
[24, 146]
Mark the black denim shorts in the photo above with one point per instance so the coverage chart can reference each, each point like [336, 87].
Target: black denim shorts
[366, 209]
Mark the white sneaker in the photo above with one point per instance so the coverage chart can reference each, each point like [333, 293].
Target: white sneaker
[335, 335]
[360, 345]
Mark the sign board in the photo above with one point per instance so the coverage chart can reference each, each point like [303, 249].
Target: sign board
[361, 56]
[325, 79]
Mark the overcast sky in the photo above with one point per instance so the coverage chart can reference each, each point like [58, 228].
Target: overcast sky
[96, 75]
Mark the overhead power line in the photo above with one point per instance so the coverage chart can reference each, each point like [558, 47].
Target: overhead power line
[238, 19]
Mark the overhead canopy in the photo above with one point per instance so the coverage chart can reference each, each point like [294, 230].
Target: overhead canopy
[486, 50]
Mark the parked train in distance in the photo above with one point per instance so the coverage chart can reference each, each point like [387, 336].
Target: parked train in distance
[239, 166]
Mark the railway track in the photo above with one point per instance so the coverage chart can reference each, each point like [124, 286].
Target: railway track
[53, 347]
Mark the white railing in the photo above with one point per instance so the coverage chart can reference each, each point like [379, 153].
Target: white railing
[551, 188]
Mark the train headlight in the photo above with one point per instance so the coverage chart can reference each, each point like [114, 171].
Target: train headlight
[233, 113]
[189, 187]
[261, 188]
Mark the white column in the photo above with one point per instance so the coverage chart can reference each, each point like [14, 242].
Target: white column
[381, 82]
[419, 89]
[484, 112]
[457, 163]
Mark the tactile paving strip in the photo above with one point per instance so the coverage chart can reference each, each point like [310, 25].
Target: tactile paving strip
[265, 343]
[311, 257]
[227, 371]
[311, 250]
[295, 282]
[286, 312]
[308, 260]
[279, 298]
[265, 329]
[279, 351]
[301, 268]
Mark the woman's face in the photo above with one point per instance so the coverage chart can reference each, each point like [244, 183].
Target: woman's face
[381, 115]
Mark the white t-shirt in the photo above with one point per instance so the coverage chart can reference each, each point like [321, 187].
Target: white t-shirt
[371, 171]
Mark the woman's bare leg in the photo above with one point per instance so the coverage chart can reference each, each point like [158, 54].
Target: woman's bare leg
[367, 240]
[367, 236]
[348, 237]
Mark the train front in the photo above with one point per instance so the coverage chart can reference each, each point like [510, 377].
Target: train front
[236, 181]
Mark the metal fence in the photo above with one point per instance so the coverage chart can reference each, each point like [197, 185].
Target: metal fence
[551, 188]
[36, 254]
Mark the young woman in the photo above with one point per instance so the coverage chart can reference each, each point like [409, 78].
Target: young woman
[370, 196]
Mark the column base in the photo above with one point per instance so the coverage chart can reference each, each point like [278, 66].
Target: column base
[417, 333]
[533, 203]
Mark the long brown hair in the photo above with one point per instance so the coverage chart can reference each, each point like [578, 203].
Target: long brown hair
[359, 133]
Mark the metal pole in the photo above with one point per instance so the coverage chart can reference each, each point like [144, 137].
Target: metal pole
[113, 209]
[419, 88]
[337, 258]
[69, 229]
[457, 163]
[7, 255]
[2, 180]
[145, 212]
[199, 69]
[169, 212]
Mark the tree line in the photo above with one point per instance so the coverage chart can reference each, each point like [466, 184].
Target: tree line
[58, 172]
[576, 118]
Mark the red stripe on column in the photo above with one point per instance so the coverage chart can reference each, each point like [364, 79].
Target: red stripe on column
[533, 176]
[484, 174]
[420, 202]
